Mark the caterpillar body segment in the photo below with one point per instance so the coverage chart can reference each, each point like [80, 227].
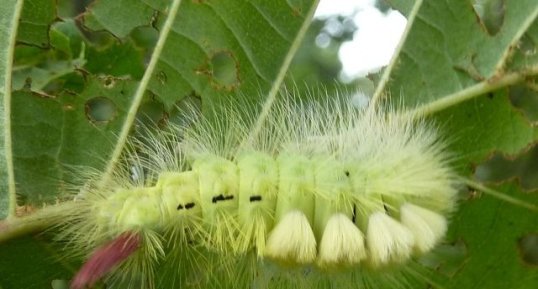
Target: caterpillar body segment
[258, 192]
[321, 186]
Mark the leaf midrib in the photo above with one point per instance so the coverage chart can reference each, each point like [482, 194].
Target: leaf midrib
[5, 111]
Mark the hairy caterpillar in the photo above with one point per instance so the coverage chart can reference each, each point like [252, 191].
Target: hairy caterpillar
[324, 195]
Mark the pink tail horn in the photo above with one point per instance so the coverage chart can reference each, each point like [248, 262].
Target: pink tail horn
[106, 258]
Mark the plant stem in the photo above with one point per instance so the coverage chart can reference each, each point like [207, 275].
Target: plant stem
[139, 94]
[5, 114]
[478, 89]
[271, 96]
[38, 221]
[499, 195]
[388, 70]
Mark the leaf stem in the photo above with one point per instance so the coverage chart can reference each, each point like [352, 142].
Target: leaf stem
[5, 115]
[139, 94]
[37, 221]
[378, 93]
[499, 195]
[478, 89]
[516, 38]
[271, 96]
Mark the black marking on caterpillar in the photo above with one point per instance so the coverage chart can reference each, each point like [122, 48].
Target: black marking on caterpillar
[255, 198]
[186, 206]
[221, 198]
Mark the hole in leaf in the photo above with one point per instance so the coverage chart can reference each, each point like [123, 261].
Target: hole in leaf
[187, 111]
[523, 167]
[446, 258]
[224, 69]
[528, 44]
[525, 98]
[491, 14]
[151, 113]
[100, 110]
[109, 82]
[528, 246]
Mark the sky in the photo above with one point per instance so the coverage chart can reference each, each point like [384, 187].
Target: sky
[374, 41]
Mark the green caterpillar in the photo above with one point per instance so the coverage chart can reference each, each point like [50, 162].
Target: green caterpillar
[324, 186]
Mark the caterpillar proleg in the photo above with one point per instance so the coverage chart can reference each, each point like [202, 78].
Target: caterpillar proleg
[323, 196]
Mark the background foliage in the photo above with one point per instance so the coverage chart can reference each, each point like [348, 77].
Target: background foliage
[77, 66]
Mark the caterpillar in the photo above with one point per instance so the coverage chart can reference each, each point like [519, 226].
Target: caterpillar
[322, 195]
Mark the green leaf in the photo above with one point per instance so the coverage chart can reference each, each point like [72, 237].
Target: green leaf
[483, 125]
[220, 55]
[36, 18]
[117, 59]
[491, 230]
[120, 17]
[46, 265]
[50, 134]
[447, 49]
